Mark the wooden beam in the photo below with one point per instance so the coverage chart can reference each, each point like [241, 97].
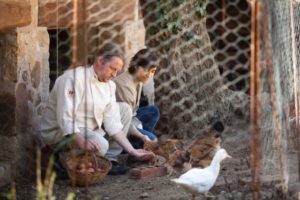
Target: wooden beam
[58, 14]
[14, 13]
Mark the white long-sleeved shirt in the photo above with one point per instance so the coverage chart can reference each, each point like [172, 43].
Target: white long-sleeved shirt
[79, 99]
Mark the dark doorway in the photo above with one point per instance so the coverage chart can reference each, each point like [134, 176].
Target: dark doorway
[60, 53]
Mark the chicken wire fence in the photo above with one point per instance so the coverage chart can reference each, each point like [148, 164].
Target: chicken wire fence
[204, 68]
[275, 62]
[220, 59]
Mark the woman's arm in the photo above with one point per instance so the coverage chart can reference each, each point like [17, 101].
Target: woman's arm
[138, 134]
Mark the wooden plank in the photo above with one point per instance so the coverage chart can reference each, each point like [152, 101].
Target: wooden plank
[14, 13]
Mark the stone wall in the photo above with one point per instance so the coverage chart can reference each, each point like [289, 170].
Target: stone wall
[24, 78]
[8, 71]
[32, 89]
[134, 38]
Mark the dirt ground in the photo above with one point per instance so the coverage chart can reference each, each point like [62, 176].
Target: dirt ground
[233, 182]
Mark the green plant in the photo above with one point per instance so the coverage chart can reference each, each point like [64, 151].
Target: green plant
[200, 6]
[45, 188]
[12, 195]
[169, 19]
[71, 196]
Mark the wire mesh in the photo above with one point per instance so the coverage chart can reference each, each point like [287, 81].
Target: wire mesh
[188, 64]
[204, 72]
[278, 94]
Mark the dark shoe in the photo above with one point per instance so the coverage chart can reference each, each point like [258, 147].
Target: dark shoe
[116, 169]
[60, 171]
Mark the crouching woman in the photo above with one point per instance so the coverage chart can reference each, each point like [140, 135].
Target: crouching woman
[129, 87]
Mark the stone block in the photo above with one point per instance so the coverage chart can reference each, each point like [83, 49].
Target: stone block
[22, 110]
[8, 56]
[8, 148]
[14, 13]
[5, 173]
[7, 114]
[134, 38]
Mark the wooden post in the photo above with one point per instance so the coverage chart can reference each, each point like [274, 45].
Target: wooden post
[84, 55]
[74, 33]
[295, 76]
[223, 10]
[277, 132]
[255, 113]
[74, 63]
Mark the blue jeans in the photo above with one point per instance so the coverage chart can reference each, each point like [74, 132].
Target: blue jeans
[150, 135]
[149, 116]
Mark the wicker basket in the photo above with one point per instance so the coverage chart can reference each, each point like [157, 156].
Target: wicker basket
[87, 178]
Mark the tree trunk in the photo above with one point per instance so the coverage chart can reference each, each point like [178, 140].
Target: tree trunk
[189, 88]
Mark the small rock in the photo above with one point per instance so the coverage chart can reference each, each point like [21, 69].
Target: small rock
[223, 192]
[237, 195]
[149, 188]
[211, 197]
[267, 195]
[105, 198]
[144, 195]
[221, 197]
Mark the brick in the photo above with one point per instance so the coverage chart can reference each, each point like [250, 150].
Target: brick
[147, 172]
[5, 173]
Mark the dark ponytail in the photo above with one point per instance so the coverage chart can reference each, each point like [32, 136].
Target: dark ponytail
[144, 58]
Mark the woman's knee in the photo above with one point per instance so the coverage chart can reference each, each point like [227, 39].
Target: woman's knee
[150, 135]
[155, 111]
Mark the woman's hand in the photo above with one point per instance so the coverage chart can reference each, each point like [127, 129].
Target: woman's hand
[145, 138]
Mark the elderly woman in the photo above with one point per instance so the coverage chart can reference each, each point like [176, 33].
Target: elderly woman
[129, 87]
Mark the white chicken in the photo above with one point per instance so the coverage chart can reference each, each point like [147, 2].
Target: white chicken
[197, 180]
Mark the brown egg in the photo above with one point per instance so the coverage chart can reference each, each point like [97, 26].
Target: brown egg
[82, 171]
[91, 170]
[89, 164]
[82, 166]
[99, 169]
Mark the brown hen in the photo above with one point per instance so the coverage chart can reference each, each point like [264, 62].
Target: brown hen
[180, 159]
